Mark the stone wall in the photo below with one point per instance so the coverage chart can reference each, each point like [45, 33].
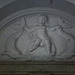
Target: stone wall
[37, 68]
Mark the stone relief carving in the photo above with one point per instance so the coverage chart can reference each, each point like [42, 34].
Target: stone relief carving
[44, 40]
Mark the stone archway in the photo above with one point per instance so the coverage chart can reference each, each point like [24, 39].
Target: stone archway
[10, 23]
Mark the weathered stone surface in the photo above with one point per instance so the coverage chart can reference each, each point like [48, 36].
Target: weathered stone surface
[38, 36]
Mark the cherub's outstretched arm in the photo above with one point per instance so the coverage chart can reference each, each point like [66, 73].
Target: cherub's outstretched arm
[23, 20]
[53, 28]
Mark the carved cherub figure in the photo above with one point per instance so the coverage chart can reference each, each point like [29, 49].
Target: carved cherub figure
[43, 39]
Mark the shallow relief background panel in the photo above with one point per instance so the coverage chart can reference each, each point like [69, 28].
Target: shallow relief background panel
[40, 36]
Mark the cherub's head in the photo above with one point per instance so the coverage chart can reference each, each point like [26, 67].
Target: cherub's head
[42, 19]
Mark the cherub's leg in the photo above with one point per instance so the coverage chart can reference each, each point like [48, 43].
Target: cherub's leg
[48, 46]
[35, 45]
